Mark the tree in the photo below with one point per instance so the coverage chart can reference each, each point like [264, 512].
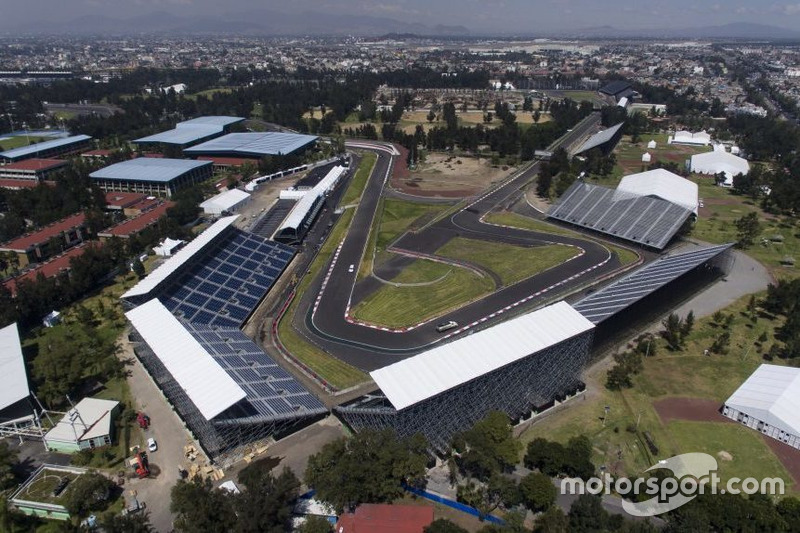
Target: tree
[553, 520]
[748, 228]
[315, 524]
[369, 467]
[443, 525]
[537, 116]
[431, 115]
[271, 496]
[89, 492]
[587, 515]
[8, 458]
[488, 447]
[198, 506]
[673, 328]
[688, 325]
[131, 523]
[618, 378]
[138, 269]
[537, 491]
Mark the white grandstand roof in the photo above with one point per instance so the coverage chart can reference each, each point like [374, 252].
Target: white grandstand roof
[13, 379]
[423, 376]
[771, 394]
[716, 162]
[600, 138]
[206, 384]
[172, 264]
[304, 204]
[664, 184]
[226, 199]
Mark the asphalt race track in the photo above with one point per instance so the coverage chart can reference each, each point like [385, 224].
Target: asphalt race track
[321, 316]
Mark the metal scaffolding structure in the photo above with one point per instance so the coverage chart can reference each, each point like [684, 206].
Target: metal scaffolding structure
[529, 384]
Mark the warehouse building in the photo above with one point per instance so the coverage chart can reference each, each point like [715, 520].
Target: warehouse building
[190, 132]
[154, 176]
[517, 367]
[253, 144]
[47, 149]
[769, 402]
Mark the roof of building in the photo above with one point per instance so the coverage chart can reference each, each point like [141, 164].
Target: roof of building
[190, 131]
[161, 170]
[642, 282]
[160, 274]
[423, 376]
[35, 164]
[386, 518]
[615, 87]
[226, 199]
[134, 225]
[10, 183]
[41, 236]
[42, 146]
[13, 378]
[253, 144]
[771, 394]
[89, 419]
[122, 200]
[203, 380]
[50, 268]
[600, 138]
[300, 210]
[664, 184]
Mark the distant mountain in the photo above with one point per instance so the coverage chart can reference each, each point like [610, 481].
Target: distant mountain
[736, 30]
[254, 22]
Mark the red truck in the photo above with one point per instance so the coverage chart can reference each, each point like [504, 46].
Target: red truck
[143, 420]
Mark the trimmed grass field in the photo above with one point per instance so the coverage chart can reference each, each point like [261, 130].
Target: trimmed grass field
[359, 181]
[9, 143]
[511, 263]
[445, 288]
[515, 220]
[669, 374]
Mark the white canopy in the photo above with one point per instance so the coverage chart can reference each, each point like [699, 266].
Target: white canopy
[423, 376]
[224, 201]
[209, 387]
[13, 379]
[771, 394]
[664, 184]
[716, 162]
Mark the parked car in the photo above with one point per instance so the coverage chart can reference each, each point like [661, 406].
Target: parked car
[151, 444]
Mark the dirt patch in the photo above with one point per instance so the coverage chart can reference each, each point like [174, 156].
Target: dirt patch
[789, 457]
[725, 456]
[448, 176]
[692, 409]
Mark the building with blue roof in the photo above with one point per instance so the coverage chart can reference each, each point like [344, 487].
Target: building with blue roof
[191, 132]
[47, 149]
[151, 175]
[253, 144]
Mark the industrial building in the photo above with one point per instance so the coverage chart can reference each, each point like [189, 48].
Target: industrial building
[154, 176]
[253, 144]
[191, 132]
[769, 402]
[47, 149]
[88, 425]
[186, 317]
[518, 367]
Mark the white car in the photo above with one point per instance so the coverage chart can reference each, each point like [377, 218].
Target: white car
[151, 444]
[351, 268]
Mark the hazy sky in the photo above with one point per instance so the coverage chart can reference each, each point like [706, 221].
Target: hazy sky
[477, 15]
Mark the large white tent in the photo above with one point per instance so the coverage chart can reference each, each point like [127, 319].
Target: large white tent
[769, 402]
[700, 138]
[715, 162]
[225, 202]
[664, 184]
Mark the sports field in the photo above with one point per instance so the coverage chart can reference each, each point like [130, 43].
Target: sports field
[9, 143]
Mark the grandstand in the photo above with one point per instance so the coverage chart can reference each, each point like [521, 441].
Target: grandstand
[517, 367]
[644, 281]
[228, 390]
[186, 317]
[646, 220]
[47, 149]
[605, 140]
[302, 215]
[190, 132]
[252, 144]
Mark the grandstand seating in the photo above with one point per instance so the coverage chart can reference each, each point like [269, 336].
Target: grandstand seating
[272, 392]
[647, 220]
[225, 285]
